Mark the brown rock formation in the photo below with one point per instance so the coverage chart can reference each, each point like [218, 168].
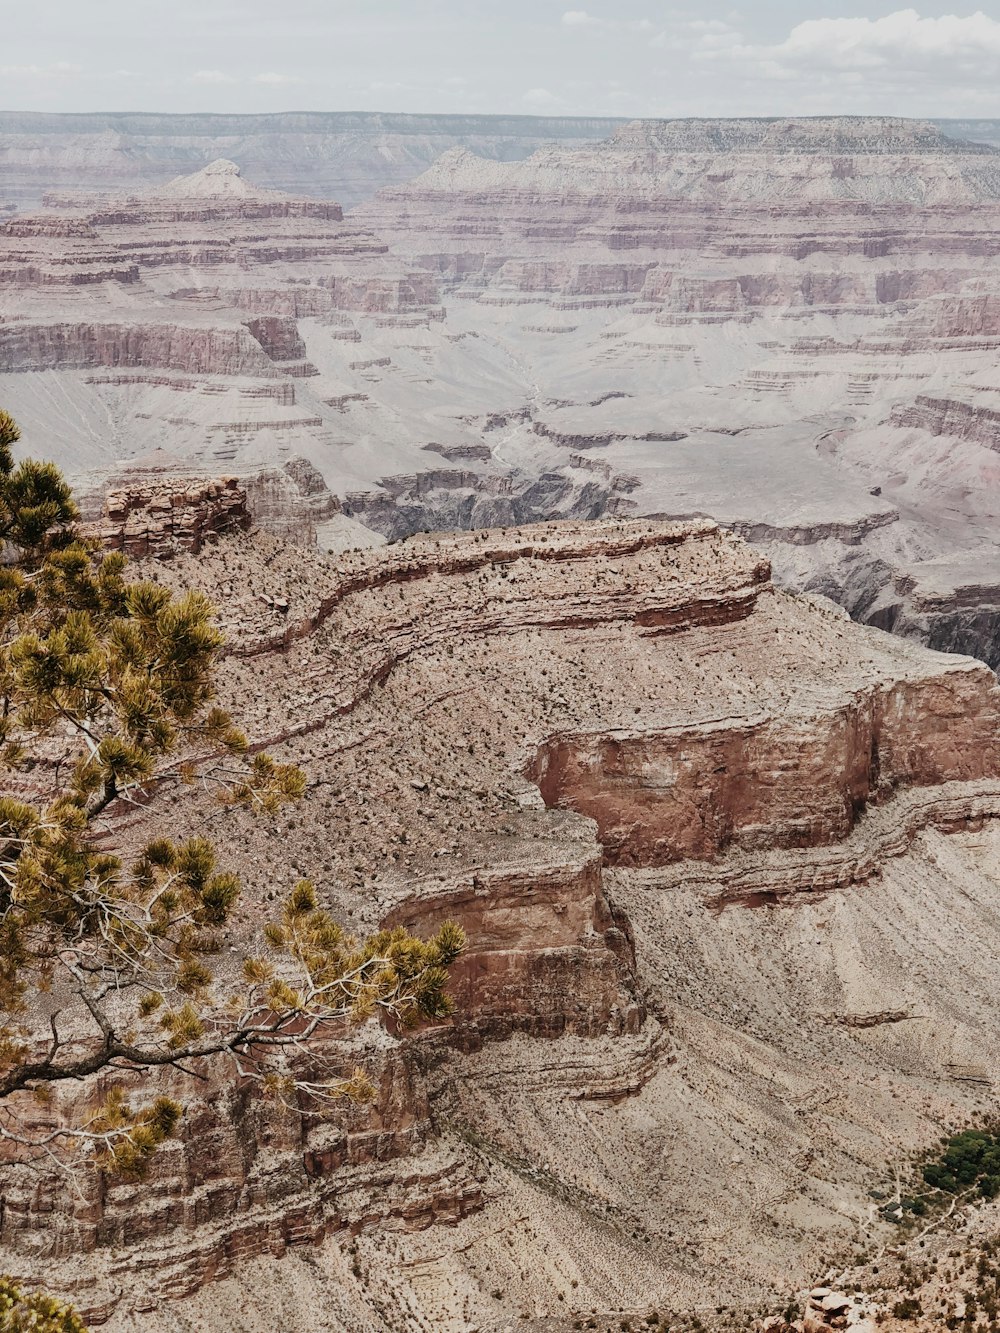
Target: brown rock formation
[164, 517]
[738, 748]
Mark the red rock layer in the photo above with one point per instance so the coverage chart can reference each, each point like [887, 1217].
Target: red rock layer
[166, 516]
[416, 684]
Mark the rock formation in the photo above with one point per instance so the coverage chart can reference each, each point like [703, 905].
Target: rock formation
[165, 517]
[788, 326]
[127, 506]
[346, 156]
[173, 322]
[714, 847]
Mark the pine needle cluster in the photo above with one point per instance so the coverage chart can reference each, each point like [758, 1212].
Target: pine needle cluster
[35, 1312]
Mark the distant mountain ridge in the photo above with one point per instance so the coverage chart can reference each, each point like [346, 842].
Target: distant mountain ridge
[346, 156]
[350, 155]
[797, 134]
[302, 122]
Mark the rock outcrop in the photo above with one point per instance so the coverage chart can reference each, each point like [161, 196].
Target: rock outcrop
[661, 796]
[156, 505]
[973, 421]
[162, 517]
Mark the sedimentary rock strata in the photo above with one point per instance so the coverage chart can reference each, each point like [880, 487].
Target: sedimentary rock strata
[758, 320]
[162, 519]
[701, 835]
[789, 326]
[175, 320]
[346, 156]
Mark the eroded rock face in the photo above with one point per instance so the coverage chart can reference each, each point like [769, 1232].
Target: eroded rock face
[248, 1178]
[694, 792]
[189, 303]
[27, 346]
[157, 506]
[638, 1057]
[788, 325]
[166, 516]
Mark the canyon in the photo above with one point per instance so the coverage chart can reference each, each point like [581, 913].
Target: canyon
[716, 849]
[556, 499]
[341, 155]
[787, 326]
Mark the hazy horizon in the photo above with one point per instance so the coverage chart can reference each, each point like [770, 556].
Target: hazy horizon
[120, 112]
[630, 58]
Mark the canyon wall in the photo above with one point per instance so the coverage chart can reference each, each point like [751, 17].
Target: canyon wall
[787, 325]
[338, 155]
[545, 734]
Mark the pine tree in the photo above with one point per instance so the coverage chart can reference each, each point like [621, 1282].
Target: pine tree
[35, 1312]
[106, 960]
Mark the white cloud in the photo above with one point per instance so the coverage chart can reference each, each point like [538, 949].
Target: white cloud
[542, 100]
[59, 70]
[897, 45]
[903, 63]
[273, 77]
[903, 37]
[579, 18]
[211, 76]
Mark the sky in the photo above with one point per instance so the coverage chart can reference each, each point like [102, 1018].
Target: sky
[612, 58]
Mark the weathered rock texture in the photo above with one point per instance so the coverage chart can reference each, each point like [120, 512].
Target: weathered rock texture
[788, 325]
[164, 517]
[157, 505]
[633, 1106]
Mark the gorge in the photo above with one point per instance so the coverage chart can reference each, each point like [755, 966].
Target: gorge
[787, 326]
[555, 502]
[690, 1033]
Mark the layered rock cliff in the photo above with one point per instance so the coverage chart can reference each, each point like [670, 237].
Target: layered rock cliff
[694, 828]
[163, 517]
[787, 325]
[178, 319]
[338, 155]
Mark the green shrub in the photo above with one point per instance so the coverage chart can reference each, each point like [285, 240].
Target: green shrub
[908, 1308]
[971, 1160]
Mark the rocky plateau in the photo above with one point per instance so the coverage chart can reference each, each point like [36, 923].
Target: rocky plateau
[341, 155]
